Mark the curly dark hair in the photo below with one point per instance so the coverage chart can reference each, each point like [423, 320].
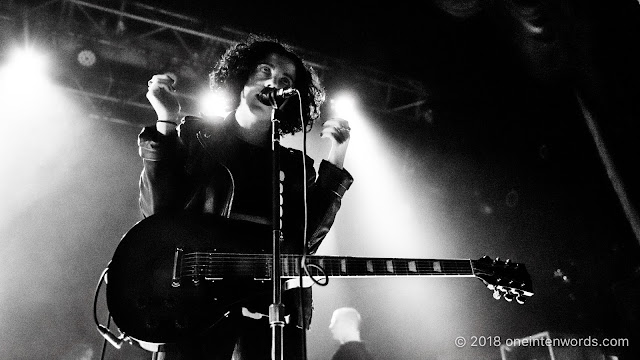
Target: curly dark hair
[236, 65]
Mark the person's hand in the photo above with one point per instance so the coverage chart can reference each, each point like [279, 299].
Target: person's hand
[161, 95]
[339, 132]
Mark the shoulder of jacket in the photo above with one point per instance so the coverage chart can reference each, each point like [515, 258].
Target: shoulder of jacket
[291, 151]
[295, 156]
[189, 121]
[192, 124]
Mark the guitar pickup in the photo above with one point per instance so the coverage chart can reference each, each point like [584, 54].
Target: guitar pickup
[176, 274]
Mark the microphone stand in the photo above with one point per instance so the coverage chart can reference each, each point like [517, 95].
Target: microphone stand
[276, 309]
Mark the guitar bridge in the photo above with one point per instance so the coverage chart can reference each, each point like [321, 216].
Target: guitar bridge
[176, 273]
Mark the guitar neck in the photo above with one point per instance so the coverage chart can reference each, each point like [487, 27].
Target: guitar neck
[217, 265]
[354, 267]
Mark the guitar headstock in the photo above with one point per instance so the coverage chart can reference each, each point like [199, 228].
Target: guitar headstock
[507, 279]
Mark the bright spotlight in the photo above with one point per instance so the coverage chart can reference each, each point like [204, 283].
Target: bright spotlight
[24, 80]
[214, 104]
[25, 71]
[344, 106]
[27, 60]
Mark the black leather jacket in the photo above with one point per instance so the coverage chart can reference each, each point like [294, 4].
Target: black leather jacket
[196, 171]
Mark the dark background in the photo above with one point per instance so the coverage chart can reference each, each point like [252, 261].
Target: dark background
[500, 157]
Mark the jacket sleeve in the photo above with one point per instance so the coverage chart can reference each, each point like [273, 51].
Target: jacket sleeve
[324, 198]
[162, 173]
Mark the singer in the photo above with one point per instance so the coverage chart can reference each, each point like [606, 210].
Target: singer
[224, 168]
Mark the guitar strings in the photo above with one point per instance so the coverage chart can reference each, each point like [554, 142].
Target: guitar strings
[239, 264]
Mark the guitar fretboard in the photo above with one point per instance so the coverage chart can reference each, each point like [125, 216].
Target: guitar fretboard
[216, 265]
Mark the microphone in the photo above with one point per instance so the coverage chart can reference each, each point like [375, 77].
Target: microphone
[272, 97]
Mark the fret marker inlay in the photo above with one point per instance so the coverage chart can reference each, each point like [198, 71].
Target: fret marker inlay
[369, 266]
[343, 265]
[436, 266]
[412, 266]
[390, 266]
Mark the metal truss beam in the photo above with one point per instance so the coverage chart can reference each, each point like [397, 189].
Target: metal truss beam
[133, 40]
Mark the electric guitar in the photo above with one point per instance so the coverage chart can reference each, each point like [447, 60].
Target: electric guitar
[174, 276]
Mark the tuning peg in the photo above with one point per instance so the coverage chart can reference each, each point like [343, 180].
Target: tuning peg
[491, 286]
[496, 294]
[508, 297]
[520, 300]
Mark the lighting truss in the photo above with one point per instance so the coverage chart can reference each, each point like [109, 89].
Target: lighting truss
[127, 42]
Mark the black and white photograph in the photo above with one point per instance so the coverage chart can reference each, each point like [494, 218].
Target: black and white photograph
[221, 180]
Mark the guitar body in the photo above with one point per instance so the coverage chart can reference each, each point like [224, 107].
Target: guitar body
[142, 296]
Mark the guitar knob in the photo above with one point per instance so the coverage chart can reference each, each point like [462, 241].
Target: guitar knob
[496, 294]
[497, 259]
[507, 262]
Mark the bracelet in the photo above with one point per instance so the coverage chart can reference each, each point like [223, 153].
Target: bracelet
[168, 122]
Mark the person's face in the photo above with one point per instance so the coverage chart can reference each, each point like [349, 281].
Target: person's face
[274, 70]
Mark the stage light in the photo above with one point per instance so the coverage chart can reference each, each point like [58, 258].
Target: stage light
[214, 104]
[25, 82]
[344, 106]
[27, 59]
[24, 72]
[36, 119]
[87, 58]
